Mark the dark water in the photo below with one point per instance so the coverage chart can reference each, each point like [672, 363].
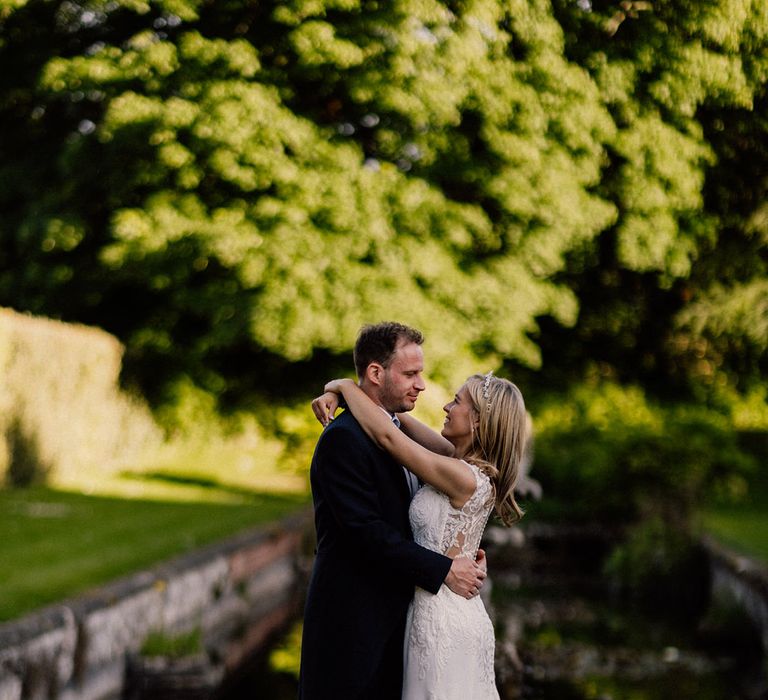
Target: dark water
[573, 646]
[261, 682]
[563, 634]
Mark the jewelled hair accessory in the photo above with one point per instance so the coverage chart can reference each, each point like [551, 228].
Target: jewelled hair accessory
[486, 384]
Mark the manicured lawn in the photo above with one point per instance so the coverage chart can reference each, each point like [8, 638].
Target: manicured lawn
[743, 527]
[743, 531]
[54, 544]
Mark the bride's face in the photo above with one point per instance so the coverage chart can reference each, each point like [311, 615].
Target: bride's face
[459, 418]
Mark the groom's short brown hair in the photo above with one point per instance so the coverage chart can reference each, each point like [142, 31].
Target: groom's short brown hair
[377, 343]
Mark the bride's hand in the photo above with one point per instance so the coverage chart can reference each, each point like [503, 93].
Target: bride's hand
[324, 407]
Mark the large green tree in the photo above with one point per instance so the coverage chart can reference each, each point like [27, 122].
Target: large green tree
[217, 182]
[234, 187]
[674, 293]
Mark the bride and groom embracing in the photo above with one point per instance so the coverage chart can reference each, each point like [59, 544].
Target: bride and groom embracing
[392, 608]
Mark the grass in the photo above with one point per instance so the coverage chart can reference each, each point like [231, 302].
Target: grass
[93, 527]
[745, 532]
[217, 470]
[54, 544]
[173, 646]
[743, 527]
[59, 541]
[89, 527]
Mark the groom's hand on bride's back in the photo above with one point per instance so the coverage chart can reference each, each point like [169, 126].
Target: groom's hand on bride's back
[465, 577]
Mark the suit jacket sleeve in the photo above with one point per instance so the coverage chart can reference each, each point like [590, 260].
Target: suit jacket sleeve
[351, 494]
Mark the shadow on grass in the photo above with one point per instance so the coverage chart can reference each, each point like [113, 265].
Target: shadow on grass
[205, 483]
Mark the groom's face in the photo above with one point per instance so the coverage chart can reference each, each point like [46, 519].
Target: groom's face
[402, 380]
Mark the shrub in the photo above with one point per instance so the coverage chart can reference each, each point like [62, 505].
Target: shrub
[284, 434]
[606, 454]
[609, 456]
[61, 406]
[661, 566]
[173, 646]
[25, 465]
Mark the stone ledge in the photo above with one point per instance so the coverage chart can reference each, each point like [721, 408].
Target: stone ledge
[751, 571]
[742, 580]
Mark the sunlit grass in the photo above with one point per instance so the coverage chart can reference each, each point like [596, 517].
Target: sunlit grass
[218, 470]
[743, 530]
[94, 526]
[54, 544]
[743, 527]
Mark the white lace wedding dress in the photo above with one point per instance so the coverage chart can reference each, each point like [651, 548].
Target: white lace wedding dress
[449, 640]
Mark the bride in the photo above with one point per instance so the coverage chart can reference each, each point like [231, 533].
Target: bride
[449, 642]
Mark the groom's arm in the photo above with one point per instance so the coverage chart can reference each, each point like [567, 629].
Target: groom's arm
[349, 489]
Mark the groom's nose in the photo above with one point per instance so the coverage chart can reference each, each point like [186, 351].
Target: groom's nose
[419, 383]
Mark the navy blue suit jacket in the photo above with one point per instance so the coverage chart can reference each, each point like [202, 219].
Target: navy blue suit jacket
[365, 571]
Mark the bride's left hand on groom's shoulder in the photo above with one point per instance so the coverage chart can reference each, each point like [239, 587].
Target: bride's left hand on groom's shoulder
[325, 406]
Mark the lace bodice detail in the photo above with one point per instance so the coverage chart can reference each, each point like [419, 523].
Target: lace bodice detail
[455, 532]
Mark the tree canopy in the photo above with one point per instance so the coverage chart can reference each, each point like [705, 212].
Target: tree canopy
[234, 188]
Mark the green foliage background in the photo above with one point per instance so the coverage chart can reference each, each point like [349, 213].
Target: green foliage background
[233, 188]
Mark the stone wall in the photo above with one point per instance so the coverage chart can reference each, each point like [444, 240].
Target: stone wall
[237, 593]
[741, 580]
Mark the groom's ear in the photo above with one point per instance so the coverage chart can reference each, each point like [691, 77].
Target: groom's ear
[375, 373]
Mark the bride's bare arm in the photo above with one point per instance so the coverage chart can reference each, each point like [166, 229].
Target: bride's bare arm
[324, 407]
[425, 436]
[447, 474]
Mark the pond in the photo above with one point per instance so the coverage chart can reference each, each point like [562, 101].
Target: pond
[564, 634]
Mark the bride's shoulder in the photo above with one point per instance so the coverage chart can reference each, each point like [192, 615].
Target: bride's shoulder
[476, 470]
[481, 477]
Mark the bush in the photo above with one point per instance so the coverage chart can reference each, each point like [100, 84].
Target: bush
[606, 454]
[285, 433]
[25, 465]
[661, 566]
[174, 646]
[62, 410]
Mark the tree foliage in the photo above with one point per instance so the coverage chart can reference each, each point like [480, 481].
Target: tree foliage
[667, 292]
[235, 188]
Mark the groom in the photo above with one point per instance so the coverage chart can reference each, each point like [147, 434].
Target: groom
[367, 564]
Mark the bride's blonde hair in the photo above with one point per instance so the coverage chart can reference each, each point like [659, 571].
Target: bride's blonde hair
[499, 442]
